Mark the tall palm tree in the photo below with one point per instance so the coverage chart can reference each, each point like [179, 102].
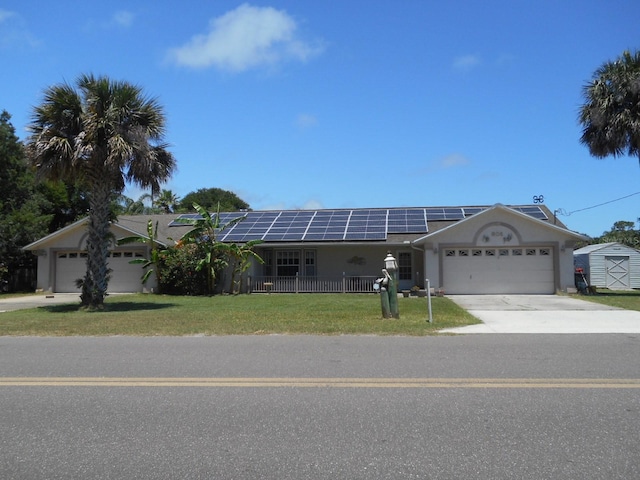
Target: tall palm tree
[104, 133]
[610, 116]
[166, 201]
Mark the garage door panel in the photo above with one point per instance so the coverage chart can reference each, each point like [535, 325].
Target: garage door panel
[125, 277]
[491, 274]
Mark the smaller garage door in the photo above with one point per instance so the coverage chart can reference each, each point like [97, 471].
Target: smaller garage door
[125, 277]
[498, 270]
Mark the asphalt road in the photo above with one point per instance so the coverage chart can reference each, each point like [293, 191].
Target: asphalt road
[304, 407]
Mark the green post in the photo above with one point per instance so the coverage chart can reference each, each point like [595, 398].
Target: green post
[391, 268]
[384, 302]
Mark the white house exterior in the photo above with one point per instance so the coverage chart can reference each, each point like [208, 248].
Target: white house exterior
[500, 250]
[62, 260]
[609, 265]
[486, 249]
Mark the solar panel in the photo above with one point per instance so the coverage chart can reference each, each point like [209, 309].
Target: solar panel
[533, 211]
[289, 226]
[328, 225]
[367, 225]
[468, 211]
[407, 220]
[442, 213]
[253, 227]
[337, 225]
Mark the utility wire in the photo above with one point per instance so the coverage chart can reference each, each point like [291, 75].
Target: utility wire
[563, 212]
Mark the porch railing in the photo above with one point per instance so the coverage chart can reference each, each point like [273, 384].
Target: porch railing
[302, 284]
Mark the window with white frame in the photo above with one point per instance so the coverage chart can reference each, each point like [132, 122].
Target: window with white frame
[310, 263]
[287, 263]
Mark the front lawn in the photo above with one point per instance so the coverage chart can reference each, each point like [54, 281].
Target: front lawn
[627, 299]
[313, 314]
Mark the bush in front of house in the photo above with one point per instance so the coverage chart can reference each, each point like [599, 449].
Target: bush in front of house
[179, 274]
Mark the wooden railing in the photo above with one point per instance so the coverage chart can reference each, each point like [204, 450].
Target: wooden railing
[301, 284]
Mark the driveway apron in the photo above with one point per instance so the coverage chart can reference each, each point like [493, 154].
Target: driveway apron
[543, 314]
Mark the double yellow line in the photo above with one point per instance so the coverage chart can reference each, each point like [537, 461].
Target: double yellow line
[241, 382]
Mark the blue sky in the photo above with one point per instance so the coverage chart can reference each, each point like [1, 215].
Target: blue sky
[316, 104]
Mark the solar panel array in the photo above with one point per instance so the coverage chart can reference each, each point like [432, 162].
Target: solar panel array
[337, 225]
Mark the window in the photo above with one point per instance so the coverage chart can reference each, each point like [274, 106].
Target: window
[516, 252]
[310, 263]
[404, 266]
[267, 267]
[287, 263]
[476, 252]
[450, 253]
[530, 252]
[490, 253]
[503, 252]
[545, 251]
[463, 253]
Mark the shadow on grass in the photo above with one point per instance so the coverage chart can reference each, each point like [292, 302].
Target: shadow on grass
[109, 307]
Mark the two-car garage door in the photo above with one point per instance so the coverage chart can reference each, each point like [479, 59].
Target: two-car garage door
[498, 270]
[125, 277]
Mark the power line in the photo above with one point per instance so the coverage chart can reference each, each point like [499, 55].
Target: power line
[561, 211]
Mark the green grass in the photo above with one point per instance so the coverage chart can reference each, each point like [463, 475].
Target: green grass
[322, 314]
[627, 299]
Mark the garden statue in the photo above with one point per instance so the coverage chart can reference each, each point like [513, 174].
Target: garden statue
[388, 286]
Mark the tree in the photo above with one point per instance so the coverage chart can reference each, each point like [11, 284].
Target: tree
[212, 198]
[240, 254]
[610, 116]
[204, 233]
[622, 232]
[102, 133]
[166, 202]
[21, 208]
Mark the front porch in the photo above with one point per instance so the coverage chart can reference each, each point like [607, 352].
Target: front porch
[311, 284]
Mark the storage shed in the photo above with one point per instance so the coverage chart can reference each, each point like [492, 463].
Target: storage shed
[609, 265]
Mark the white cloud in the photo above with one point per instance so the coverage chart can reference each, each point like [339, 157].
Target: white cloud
[245, 38]
[466, 62]
[453, 160]
[305, 120]
[5, 14]
[123, 18]
[312, 205]
[14, 32]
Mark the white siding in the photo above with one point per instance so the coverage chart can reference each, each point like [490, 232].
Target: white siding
[595, 259]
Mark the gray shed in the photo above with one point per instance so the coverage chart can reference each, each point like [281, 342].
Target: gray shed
[609, 265]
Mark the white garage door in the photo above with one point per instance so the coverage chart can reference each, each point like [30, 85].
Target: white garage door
[125, 277]
[498, 270]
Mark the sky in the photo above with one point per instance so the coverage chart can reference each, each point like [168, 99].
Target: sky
[352, 103]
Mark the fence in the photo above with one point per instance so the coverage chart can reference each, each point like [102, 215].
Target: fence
[302, 284]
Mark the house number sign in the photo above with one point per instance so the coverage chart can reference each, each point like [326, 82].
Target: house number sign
[497, 236]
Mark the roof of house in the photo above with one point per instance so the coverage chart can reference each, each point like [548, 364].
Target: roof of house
[388, 225]
[391, 226]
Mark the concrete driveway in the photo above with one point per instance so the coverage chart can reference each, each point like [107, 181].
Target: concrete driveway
[34, 301]
[543, 314]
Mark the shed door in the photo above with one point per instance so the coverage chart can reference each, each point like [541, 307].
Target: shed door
[498, 270]
[617, 275]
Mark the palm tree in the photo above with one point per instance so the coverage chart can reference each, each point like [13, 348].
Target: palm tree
[610, 116]
[104, 133]
[166, 201]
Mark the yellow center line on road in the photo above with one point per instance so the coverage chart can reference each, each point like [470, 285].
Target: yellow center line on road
[219, 382]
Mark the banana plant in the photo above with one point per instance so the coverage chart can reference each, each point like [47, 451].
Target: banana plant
[241, 255]
[204, 233]
[154, 258]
